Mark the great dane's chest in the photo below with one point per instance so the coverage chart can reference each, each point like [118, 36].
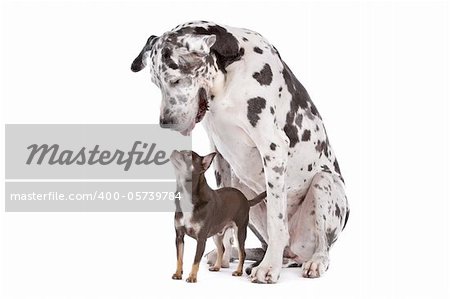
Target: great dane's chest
[237, 148]
[240, 151]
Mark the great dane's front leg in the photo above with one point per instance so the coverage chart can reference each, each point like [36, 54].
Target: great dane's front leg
[274, 155]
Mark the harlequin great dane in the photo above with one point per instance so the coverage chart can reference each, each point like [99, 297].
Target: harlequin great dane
[266, 130]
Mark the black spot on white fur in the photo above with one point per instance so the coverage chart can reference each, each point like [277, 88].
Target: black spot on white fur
[167, 58]
[337, 211]
[258, 50]
[306, 136]
[226, 48]
[300, 99]
[255, 107]
[322, 147]
[326, 169]
[292, 133]
[278, 169]
[264, 77]
[331, 236]
[218, 178]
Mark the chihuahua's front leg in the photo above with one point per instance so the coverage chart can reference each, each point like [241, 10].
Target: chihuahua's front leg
[201, 242]
[179, 242]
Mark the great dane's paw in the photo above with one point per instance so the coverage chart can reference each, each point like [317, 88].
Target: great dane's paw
[265, 274]
[211, 257]
[313, 269]
[225, 264]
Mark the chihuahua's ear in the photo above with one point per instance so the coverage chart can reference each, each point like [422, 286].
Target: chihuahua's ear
[206, 160]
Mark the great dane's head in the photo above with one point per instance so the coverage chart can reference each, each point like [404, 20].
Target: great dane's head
[179, 66]
[183, 63]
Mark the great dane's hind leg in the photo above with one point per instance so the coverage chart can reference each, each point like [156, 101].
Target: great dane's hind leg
[320, 220]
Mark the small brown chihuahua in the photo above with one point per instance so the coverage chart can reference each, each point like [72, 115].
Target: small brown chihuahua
[208, 213]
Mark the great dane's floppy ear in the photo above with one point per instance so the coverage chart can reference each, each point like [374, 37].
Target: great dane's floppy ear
[206, 160]
[141, 60]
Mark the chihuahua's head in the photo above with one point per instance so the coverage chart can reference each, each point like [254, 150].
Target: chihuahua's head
[189, 170]
[189, 165]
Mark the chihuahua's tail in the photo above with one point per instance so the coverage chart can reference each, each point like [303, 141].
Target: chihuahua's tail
[257, 199]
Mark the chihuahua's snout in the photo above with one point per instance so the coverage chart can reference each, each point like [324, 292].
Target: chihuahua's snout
[177, 159]
[174, 154]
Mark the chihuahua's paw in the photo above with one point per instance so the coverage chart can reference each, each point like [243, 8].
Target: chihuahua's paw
[214, 269]
[237, 273]
[191, 279]
[177, 276]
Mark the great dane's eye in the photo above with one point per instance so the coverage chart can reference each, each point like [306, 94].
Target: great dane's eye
[175, 82]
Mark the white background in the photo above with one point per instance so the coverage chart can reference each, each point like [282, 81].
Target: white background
[379, 74]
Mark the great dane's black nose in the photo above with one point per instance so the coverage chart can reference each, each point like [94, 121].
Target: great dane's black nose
[166, 122]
